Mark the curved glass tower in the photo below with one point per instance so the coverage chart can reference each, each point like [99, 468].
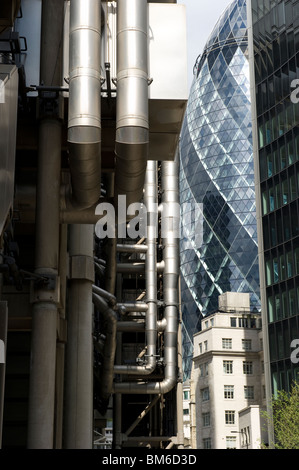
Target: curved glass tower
[219, 244]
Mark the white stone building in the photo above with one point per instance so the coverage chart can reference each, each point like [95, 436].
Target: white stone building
[186, 413]
[227, 374]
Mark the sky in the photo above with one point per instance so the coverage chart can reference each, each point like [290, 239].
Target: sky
[201, 16]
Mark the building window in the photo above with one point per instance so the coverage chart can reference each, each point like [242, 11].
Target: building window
[248, 392]
[229, 392]
[200, 348]
[205, 345]
[246, 344]
[228, 367]
[245, 436]
[206, 324]
[227, 343]
[243, 322]
[212, 322]
[206, 419]
[204, 369]
[207, 443]
[185, 411]
[205, 394]
[229, 417]
[233, 322]
[231, 442]
[247, 367]
[186, 394]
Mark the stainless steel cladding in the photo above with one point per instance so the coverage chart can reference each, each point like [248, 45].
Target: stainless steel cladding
[132, 126]
[84, 120]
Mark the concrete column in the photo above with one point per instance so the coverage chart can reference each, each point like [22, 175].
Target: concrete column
[79, 363]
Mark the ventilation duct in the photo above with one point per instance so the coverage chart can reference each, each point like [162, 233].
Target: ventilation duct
[132, 126]
[84, 118]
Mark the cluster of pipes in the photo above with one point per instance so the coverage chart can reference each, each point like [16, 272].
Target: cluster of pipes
[135, 177]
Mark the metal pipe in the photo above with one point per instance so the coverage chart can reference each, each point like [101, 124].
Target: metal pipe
[125, 326]
[127, 307]
[150, 266]
[170, 197]
[137, 267]
[25, 207]
[44, 312]
[79, 366]
[131, 248]
[110, 345]
[110, 298]
[132, 120]
[84, 115]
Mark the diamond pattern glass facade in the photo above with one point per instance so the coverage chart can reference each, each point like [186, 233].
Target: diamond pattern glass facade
[217, 178]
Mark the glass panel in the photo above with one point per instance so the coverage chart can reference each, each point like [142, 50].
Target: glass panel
[292, 302]
[275, 270]
[269, 165]
[271, 309]
[284, 304]
[265, 202]
[283, 157]
[277, 307]
[268, 273]
[271, 199]
[285, 192]
[297, 260]
[277, 195]
[290, 264]
[290, 147]
[282, 267]
[292, 187]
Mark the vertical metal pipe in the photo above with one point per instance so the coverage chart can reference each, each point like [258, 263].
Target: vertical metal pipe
[45, 298]
[84, 118]
[44, 314]
[170, 240]
[79, 365]
[132, 122]
[151, 204]
[60, 348]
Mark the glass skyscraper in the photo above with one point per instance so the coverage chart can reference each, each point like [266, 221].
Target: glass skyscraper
[275, 60]
[219, 243]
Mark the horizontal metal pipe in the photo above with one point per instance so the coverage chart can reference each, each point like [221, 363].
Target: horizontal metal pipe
[137, 267]
[129, 326]
[131, 248]
[131, 307]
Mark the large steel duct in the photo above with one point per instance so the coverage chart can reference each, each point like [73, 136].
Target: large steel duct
[84, 116]
[132, 122]
[170, 239]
